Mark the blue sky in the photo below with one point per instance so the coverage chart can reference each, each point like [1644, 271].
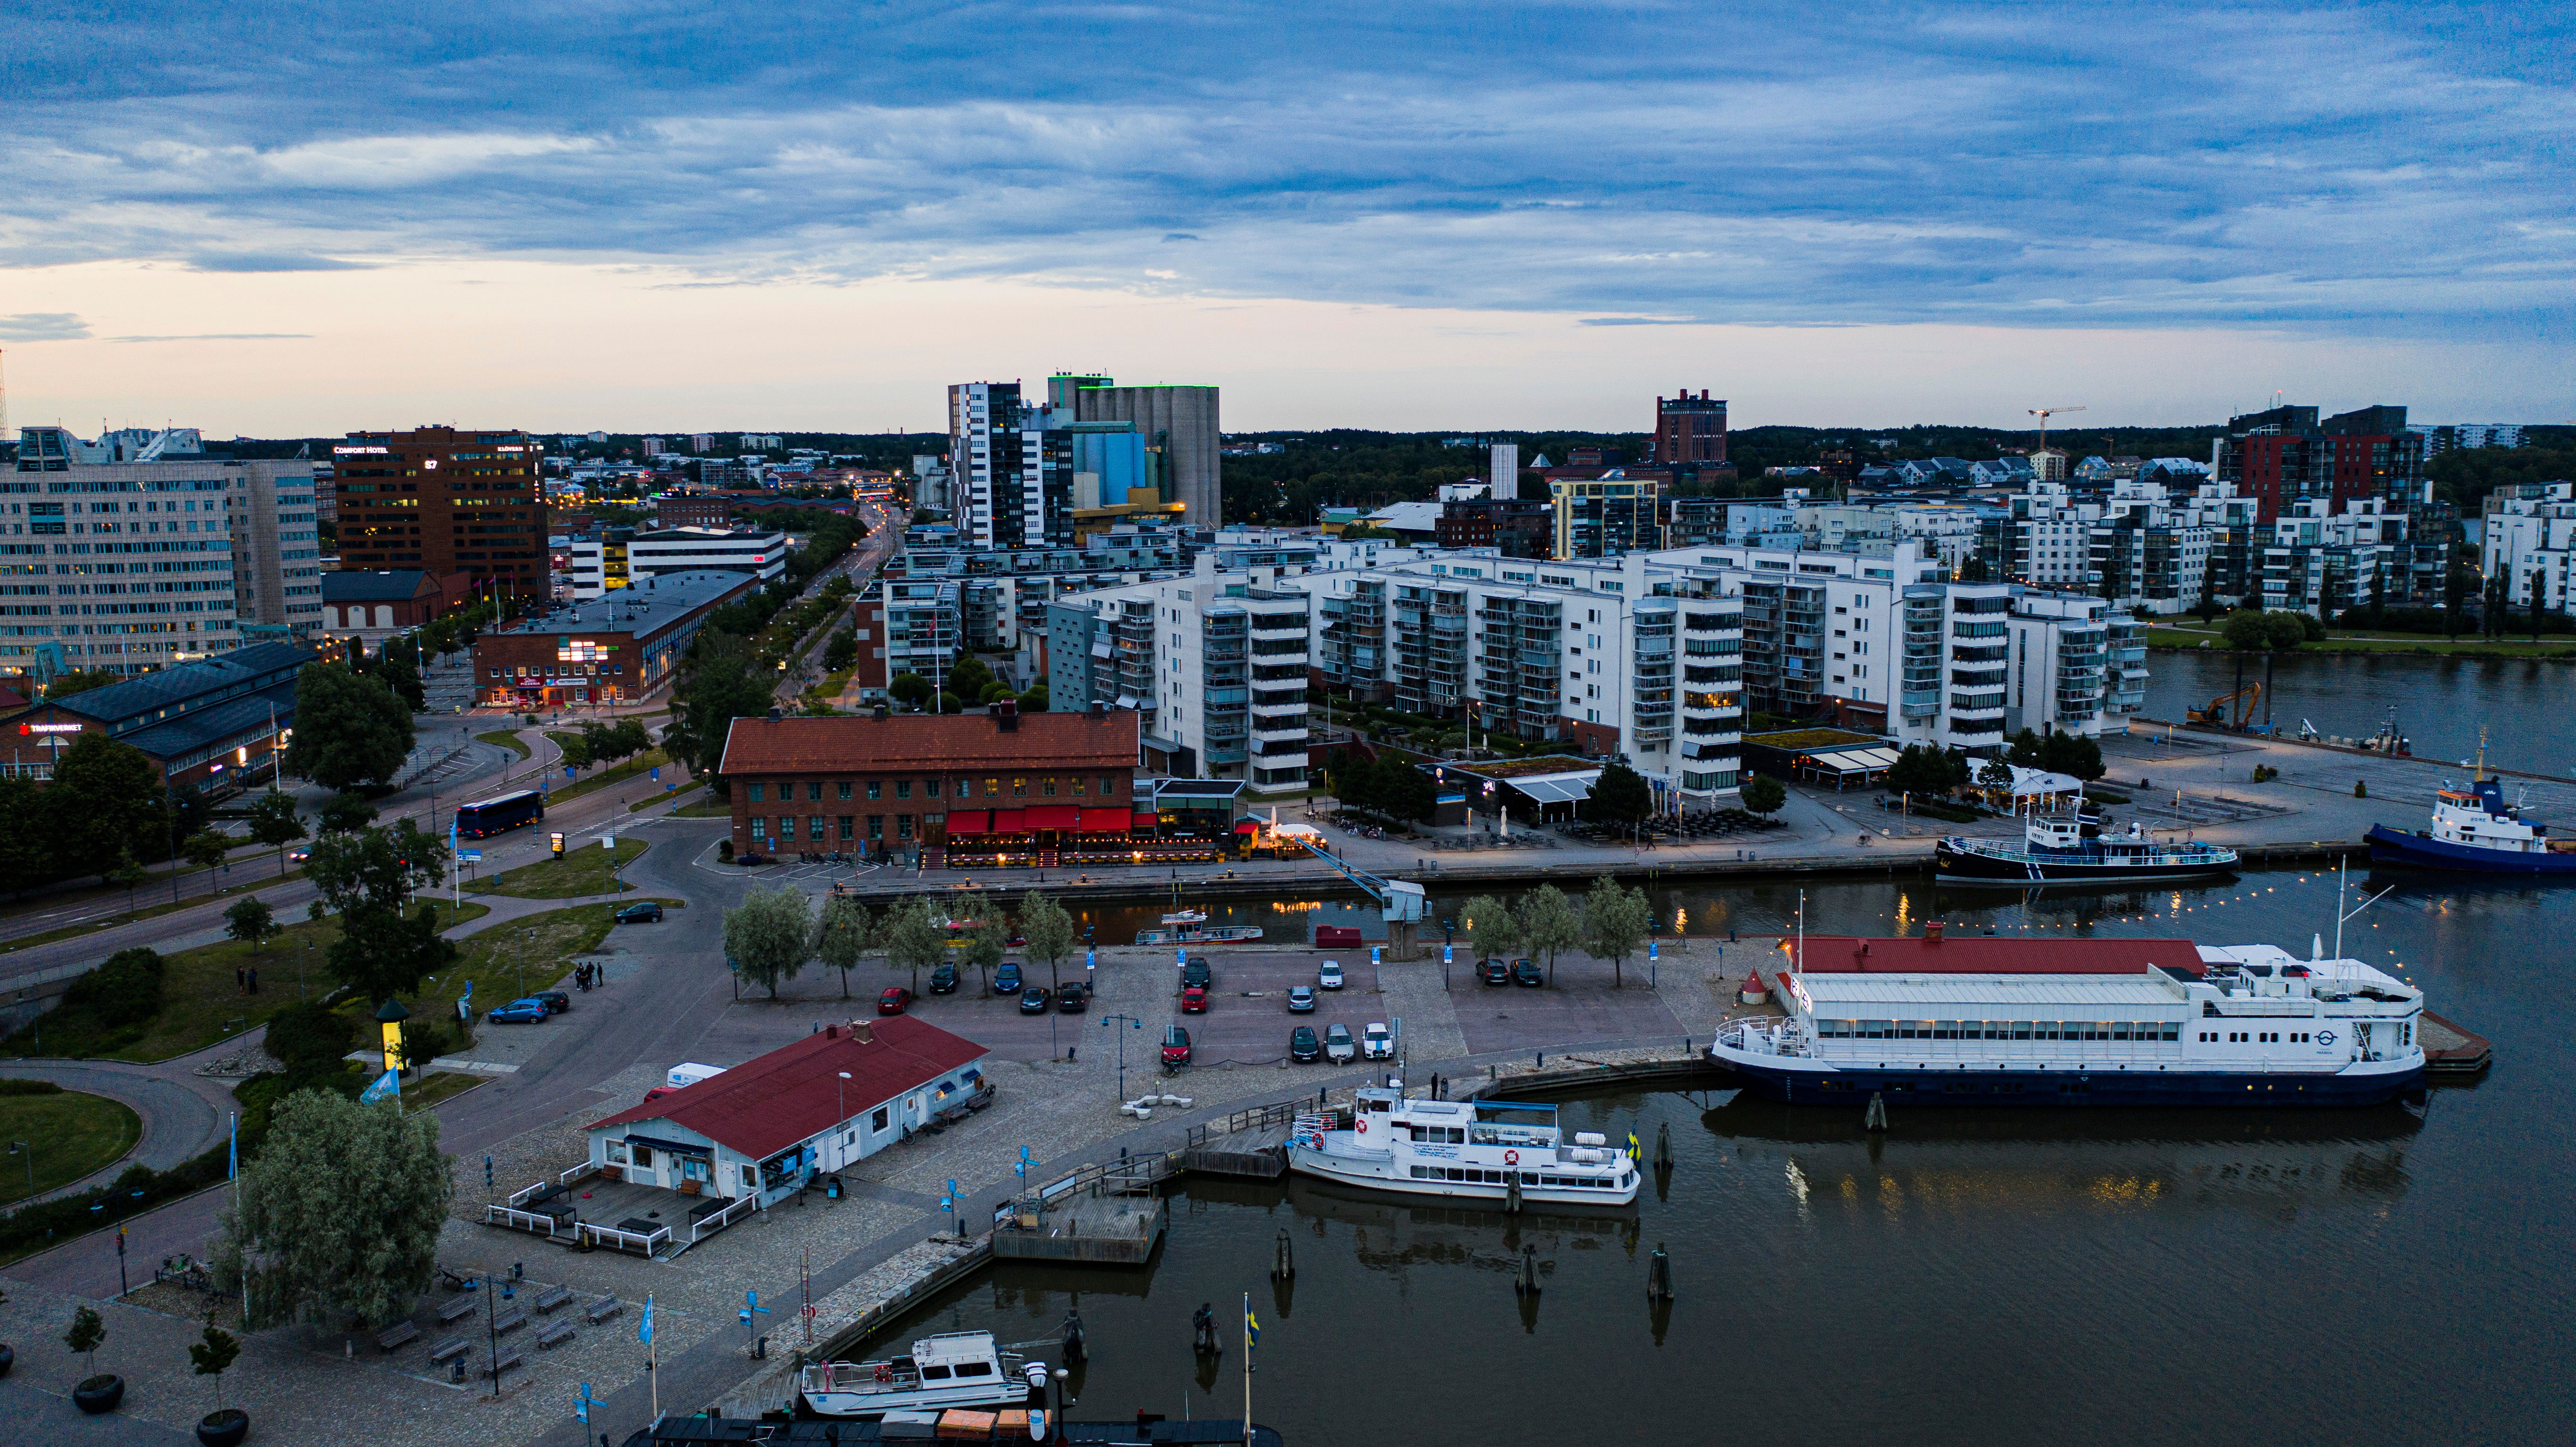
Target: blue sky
[2313, 177]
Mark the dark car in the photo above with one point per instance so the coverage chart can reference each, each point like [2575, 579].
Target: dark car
[1527, 972]
[646, 913]
[520, 1012]
[1197, 973]
[556, 1001]
[1033, 1000]
[1303, 1047]
[1176, 1045]
[943, 978]
[748, 860]
[1494, 971]
[1073, 998]
[1006, 980]
[892, 1000]
[1194, 1001]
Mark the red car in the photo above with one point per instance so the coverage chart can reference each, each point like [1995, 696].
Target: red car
[1176, 1045]
[892, 1001]
[1194, 1000]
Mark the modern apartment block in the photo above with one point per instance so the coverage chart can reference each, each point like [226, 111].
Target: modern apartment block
[2441, 437]
[446, 500]
[2529, 540]
[2285, 455]
[762, 553]
[1215, 664]
[1606, 516]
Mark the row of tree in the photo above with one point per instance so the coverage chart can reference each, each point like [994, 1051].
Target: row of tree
[1612, 924]
[774, 933]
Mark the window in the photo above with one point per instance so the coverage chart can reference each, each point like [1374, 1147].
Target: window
[1108, 786]
[876, 826]
[902, 826]
[1019, 788]
[878, 1120]
[760, 826]
[903, 788]
[814, 828]
[930, 788]
[755, 793]
[1046, 786]
[845, 788]
[847, 825]
[814, 791]
[1077, 786]
[992, 788]
[876, 788]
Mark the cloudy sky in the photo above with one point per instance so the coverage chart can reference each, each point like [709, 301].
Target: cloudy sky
[310, 217]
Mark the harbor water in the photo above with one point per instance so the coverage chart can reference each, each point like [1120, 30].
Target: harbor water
[2527, 708]
[2041, 1276]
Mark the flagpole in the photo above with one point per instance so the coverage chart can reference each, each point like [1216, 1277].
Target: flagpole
[1247, 1369]
[651, 1357]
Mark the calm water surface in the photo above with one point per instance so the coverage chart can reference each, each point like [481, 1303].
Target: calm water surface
[2395, 1274]
[2528, 709]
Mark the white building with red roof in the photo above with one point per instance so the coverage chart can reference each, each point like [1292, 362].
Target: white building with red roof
[768, 1125]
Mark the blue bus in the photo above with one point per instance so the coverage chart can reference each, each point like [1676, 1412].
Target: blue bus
[487, 817]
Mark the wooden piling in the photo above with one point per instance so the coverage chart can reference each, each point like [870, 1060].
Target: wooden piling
[1526, 1283]
[1664, 1146]
[1073, 1347]
[1659, 1275]
[1876, 1120]
[1284, 1266]
[1511, 1193]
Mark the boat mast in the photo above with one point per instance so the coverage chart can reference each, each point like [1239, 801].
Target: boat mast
[1801, 960]
[2480, 776]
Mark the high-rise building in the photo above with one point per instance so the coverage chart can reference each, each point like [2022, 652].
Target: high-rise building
[1179, 425]
[1690, 432]
[277, 555]
[2285, 455]
[445, 500]
[1605, 516]
[1504, 476]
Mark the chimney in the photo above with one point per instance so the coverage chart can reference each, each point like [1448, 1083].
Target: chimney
[1100, 708]
[831, 1032]
[861, 1033]
[881, 712]
[1932, 932]
[773, 713]
[1006, 715]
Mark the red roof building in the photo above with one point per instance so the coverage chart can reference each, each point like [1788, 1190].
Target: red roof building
[767, 1124]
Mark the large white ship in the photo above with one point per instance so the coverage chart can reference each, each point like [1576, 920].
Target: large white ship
[1478, 1149]
[1993, 1021]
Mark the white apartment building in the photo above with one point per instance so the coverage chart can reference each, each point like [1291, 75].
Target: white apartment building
[2529, 536]
[694, 550]
[277, 553]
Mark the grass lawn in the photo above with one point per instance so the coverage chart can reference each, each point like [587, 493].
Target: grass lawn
[422, 1094]
[683, 791]
[200, 1003]
[581, 871]
[72, 1134]
[506, 739]
[652, 758]
[532, 953]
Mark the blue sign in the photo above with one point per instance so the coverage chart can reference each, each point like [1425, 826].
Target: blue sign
[470, 856]
[1653, 948]
[657, 771]
[1375, 957]
[1445, 954]
[567, 771]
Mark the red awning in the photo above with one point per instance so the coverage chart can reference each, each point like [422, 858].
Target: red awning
[1144, 822]
[1247, 827]
[1054, 816]
[972, 821]
[1106, 821]
[1010, 821]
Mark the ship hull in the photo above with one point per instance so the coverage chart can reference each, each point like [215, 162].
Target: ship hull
[2021, 871]
[1970, 1087]
[2419, 851]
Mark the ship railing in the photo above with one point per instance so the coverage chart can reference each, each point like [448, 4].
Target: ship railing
[1756, 1038]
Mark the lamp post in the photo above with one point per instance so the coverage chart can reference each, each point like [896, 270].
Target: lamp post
[841, 1104]
[1133, 1024]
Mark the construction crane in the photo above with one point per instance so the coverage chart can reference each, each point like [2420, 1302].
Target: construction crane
[2043, 414]
[2218, 714]
[1401, 899]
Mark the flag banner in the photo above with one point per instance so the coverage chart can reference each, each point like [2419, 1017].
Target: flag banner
[644, 1327]
[387, 1087]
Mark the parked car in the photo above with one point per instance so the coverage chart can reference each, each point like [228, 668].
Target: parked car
[1196, 972]
[1301, 998]
[1006, 980]
[1376, 1043]
[943, 978]
[1494, 971]
[520, 1012]
[1194, 1000]
[748, 860]
[1303, 1047]
[1033, 1000]
[646, 913]
[1073, 998]
[893, 999]
[1330, 976]
[299, 856]
[556, 1001]
[1527, 972]
[1176, 1045]
[1338, 1046]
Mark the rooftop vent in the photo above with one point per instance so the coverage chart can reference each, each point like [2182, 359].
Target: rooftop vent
[773, 713]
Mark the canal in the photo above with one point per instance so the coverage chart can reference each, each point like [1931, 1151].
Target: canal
[1974, 1277]
[2442, 703]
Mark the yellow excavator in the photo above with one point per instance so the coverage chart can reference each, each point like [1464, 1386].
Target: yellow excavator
[2220, 716]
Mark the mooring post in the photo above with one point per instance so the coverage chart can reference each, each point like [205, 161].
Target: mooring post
[1073, 1349]
[1511, 1193]
[1659, 1275]
[1526, 1284]
[1877, 1117]
[1285, 1267]
[1664, 1146]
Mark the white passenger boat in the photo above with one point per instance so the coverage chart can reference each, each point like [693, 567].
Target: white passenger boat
[1460, 1148]
[1200, 934]
[1996, 1021]
[953, 1369]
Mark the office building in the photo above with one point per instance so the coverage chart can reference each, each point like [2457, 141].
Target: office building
[1690, 433]
[615, 650]
[1605, 516]
[1179, 427]
[445, 500]
[277, 553]
[761, 553]
[596, 562]
[370, 607]
[211, 726]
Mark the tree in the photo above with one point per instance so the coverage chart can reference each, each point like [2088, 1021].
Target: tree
[841, 652]
[306, 1033]
[250, 921]
[206, 849]
[345, 813]
[2072, 754]
[275, 824]
[2246, 631]
[368, 877]
[79, 680]
[214, 1356]
[124, 990]
[1491, 930]
[1995, 775]
[1548, 925]
[349, 729]
[107, 804]
[770, 935]
[1049, 930]
[1620, 797]
[1404, 791]
[339, 1214]
[969, 678]
[128, 874]
[909, 688]
[2025, 749]
[722, 681]
[841, 935]
[912, 938]
[1036, 700]
[86, 1336]
[397, 667]
[987, 944]
[1763, 795]
[1919, 769]
[1615, 922]
[575, 749]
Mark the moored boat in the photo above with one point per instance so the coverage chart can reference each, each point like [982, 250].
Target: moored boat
[1477, 1149]
[952, 1369]
[2070, 848]
[1218, 934]
[2476, 831]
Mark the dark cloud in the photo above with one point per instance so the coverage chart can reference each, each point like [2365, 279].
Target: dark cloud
[43, 327]
[2368, 165]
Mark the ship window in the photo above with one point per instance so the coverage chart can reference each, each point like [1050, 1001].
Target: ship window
[2173, 1030]
[934, 1374]
[2021, 1029]
[974, 1369]
[2119, 1029]
[1945, 1029]
[1874, 1029]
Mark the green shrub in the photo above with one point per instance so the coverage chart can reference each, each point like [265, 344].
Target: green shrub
[126, 990]
[305, 1031]
[29, 1087]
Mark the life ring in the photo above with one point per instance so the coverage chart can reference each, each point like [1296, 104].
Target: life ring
[1511, 1158]
[1361, 1125]
[884, 1373]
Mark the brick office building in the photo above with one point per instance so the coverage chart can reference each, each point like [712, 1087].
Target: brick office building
[607, 651]
[445, 501]
[957, 790]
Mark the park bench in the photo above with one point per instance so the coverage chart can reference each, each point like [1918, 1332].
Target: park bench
[508, 1322]
[604, 1308]
[555, 1335]
[560, 1296]
[455, 1309]
[449, 1350]
[396, 1335]
[514, 1358]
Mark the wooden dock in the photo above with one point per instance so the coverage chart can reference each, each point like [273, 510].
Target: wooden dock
[2450, 1050]
[1251, 1143]
[1111, 1213]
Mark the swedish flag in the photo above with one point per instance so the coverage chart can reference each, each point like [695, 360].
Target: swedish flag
[1635, 1152]
[1251, 1328]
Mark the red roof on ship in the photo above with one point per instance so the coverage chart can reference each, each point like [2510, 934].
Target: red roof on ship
[1937, 953]
[793, 1093]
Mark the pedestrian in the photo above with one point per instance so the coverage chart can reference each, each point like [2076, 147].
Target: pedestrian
[254, 979]
[241, 981]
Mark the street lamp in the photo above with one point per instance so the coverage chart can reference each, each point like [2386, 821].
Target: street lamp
[841, 1104]
[1133, 1024]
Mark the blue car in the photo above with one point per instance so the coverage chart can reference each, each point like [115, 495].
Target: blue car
[1006, 980]
[520, 1012]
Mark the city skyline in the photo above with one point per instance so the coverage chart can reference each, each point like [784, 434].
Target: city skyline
[1432, 218]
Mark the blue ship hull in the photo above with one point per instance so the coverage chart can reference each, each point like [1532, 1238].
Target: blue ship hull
[2053, 1088]
[2422, 851]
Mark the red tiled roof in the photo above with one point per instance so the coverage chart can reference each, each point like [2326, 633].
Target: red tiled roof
[850, 742]
[1993, 955]
[763, 1106]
